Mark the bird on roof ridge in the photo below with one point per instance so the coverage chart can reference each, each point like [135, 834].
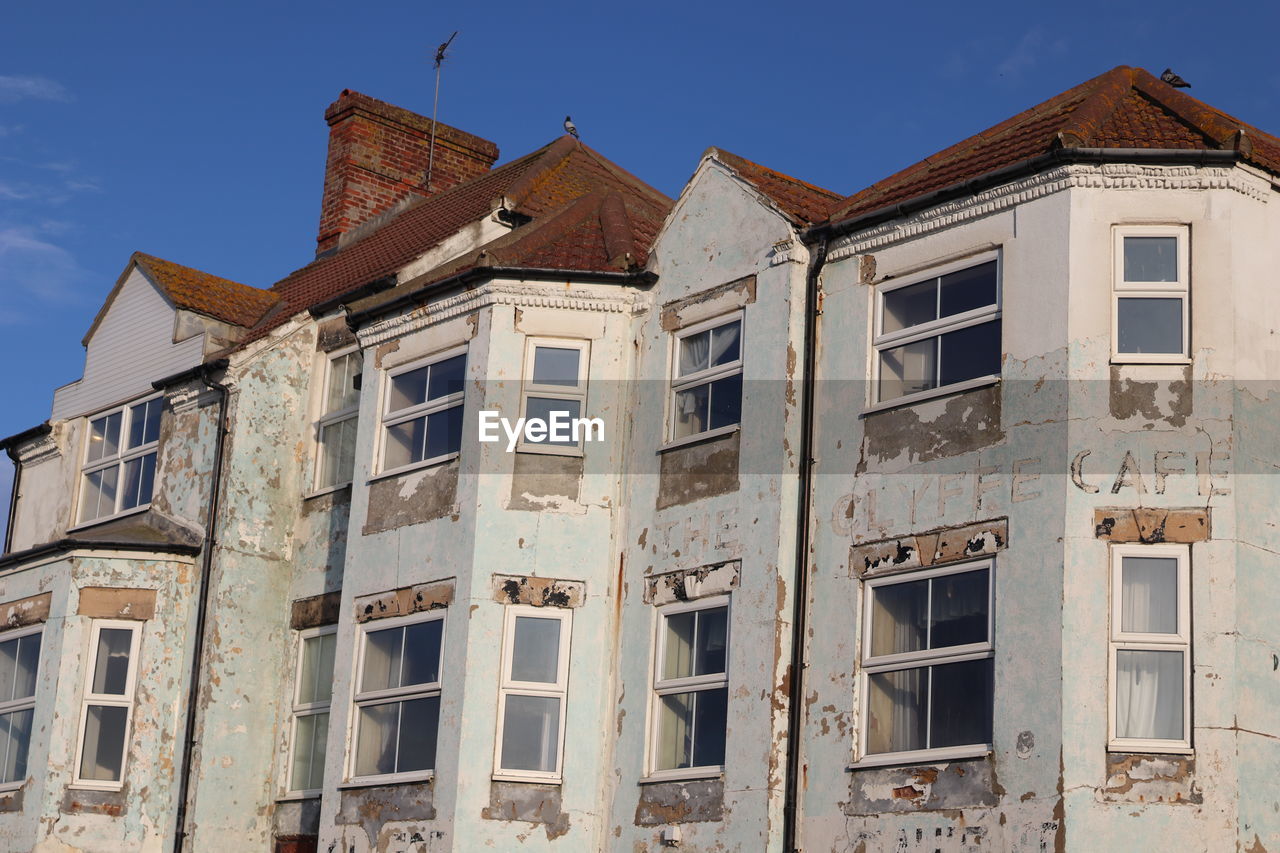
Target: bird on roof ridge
[570, 128]
[1174, 80]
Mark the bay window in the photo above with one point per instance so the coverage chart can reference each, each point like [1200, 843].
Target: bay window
[19, 666]
[531, 700]
[107, 707]
[313, 692]
[706, 384]
[422, 412]
[336, 427]
[1150, 316]
[120, 460]
[691, 690]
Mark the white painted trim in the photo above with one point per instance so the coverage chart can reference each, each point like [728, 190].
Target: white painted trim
[922, 756]
[1180, 289]
[324, 419]
[559, 689]
[125, 700]
[576, 393]
[305, 709]
[118, 460]
[23, 703]
[388, 418]
[702, 377]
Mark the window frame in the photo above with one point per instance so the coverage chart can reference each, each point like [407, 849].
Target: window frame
[118, 460]
[507, 686]
[871, 665]
[388, 695]
[305, 709]
[387, 419]
[1180, 289]
[555, 392]
[26, 703]
[881, 341]
[327, 419]
[660, 687]
[125, 700]
[1118, 640]
[706, 376]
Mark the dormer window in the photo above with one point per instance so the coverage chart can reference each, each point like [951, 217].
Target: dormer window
[120, 460]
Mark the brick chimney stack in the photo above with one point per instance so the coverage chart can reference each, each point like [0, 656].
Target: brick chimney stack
[377, 161]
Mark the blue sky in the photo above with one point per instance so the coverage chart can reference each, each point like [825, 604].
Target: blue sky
[196, 131]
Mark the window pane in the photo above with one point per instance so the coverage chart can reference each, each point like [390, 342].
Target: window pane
[308, 752]
[908, 369]
[726, 401]
[24, 680]
[444, 432]
[104, 436]
[678, 645]
[139, 480]
[337, 452]
[542, 407]
[695, 353]
[726, 343]
[1149, 595]
[342, 391]
[675, 731]
[530, 733]
[15, 740]
[959, 609]
[536, 650]
[712, 641]
[419, 722]
[111, 667]
[556, 366]
[144, 423]
[965, 290]
[8, 670]
[408, 389]
[104, 730]
[422, 652]
[99, 496]
[970, 353]
[961, 708]
[447, 377]
[1150, 258]
[376, 744]
[382, 659]
[405, 443]
[910, 306]
[316, 678]
[1149, 325]
[691, 411]
[899, 615]
[896, 710]
[1149, 694]
[710, 711]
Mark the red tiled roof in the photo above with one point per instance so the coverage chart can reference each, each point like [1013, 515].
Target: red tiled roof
[532, 186]
[804, 202]
[220, 298]
[1123, 108]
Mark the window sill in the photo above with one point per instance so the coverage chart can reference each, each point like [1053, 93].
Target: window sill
[688, 774]
[913, 759]
[1134, 358]
[382, 781]
[931, 394]
[298, 796]
[1147, 747]
[548, 450]
[417, 466]
[85, 525]
[527, 780]
[10, 787]
[719, 432]
[109, 787]
[319, 493]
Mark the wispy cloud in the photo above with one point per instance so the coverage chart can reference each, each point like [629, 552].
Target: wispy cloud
[10, 130]
[17, 87]
[1029, 51]
[35, 273]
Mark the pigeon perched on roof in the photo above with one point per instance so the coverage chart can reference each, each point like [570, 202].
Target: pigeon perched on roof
[1174, 80]
[570, 128]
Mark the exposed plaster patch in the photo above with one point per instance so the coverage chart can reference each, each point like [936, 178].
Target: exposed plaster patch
[98, 602]
[960, 424]
[1150, 525]
[1151, 779]
[405, 600]
[696, 801]
[413, 498]
[697, 471]
[26, 611]
[1130, 398]
[541, 481]
[933, 548]
[374, 808]
[315, 611]
[109, 803]
[527, 802]
[691, 584]
[538, 592]
[954, 785]
[334, 334]
[709, 303]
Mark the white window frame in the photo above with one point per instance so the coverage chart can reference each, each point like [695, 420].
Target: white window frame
[387, 419]
[703, 377]
[927, 657]
[118, 460]
[26, 703]
[510, 687]
[934, 329]
[327, 419]
[1120, 640]
[665, 686]
[108, 699]
[555, 392]
[1180, 289]
[305, 709]
[393, 694]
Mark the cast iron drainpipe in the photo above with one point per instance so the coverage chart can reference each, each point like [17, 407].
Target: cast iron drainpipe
[10, 448]
[204, 373]
[800, 607]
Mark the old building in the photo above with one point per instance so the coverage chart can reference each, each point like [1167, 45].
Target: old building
[930, 518]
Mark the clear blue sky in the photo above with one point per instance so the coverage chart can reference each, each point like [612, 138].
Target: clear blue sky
[196, 131]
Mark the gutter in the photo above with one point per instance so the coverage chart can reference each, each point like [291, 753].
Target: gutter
[63, 546]
[362, 292]
[356, 319]
[800, 607]
[10, 446]
[204, 373]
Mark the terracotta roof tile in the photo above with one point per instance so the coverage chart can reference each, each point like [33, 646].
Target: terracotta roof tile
[804, 202]
[193, 290]
[1123, 108]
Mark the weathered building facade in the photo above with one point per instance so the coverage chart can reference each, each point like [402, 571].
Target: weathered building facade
[931, 518]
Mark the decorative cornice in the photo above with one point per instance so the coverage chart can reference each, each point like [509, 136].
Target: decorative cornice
[1107, 176]
[524, 295]
[187, 397]
[785, 251]
[39, 449]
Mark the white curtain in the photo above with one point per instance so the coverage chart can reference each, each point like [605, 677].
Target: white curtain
[1149, 595]
[1149, 694]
